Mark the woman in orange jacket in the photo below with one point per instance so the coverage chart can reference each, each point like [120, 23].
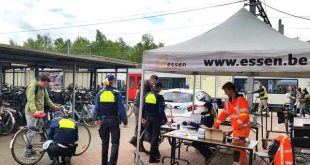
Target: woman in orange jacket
[237, 108]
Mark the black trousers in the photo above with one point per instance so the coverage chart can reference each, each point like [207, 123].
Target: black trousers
[203, 149]
[109, 125]
[56, 151]
[153, 127]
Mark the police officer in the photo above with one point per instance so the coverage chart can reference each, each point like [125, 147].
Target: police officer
[64, 133]
[109, 108]
[154, 115]
[207, 120]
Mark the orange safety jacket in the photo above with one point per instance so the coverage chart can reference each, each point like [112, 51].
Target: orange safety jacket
[238, 110]
[284, 155]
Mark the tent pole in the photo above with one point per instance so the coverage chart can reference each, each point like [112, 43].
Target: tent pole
[250, 82]
[140, 116]
[127, 87]
[1, 75]
[194, 92]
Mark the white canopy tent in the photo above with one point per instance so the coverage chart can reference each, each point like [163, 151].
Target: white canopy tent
[256, 47]
[242, 45]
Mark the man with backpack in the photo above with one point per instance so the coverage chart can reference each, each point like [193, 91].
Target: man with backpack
[37, 97]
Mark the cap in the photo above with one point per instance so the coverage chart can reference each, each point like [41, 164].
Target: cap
[208, 105]
[58, 114]
[158, 84]
[110, 77]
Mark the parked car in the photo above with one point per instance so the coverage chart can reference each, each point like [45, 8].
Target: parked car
[177, 101]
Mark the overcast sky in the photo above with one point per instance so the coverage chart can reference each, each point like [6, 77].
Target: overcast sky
[23, 15]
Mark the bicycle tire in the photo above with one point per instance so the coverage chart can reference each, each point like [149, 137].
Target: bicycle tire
[13, 143]
[82, 146]
[88, 121]
[129, 110]
[8, 117]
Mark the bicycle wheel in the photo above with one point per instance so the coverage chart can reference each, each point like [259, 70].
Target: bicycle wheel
[20, 142]
[129, 110]
[145, 145]
[87, 117]
[84, 139]
[8, 122]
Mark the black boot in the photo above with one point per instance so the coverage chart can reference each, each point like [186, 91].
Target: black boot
[154, 159]
[55, 161]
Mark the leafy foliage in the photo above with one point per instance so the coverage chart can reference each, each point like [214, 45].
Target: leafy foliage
[101, 46]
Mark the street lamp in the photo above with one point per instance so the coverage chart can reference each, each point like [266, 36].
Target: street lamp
[90, 47]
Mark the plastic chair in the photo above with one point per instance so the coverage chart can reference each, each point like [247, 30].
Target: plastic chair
[270, 154]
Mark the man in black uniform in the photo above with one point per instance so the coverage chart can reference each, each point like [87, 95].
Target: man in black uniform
[148, 84]
[154, 115]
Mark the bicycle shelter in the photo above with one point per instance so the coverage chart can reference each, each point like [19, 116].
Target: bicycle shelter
[12, 57]
[243, 45]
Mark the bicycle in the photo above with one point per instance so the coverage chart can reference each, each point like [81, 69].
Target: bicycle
[7, 120]
[82, 113]
[21, 141]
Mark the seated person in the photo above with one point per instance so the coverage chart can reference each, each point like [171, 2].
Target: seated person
[64, 133]
[208, 118]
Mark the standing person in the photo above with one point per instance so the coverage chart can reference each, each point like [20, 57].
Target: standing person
[237, 108]
[263, 96]
[292, 92]
[154, 115]
[147, 88]
[303, 102]
[64, 133]
[109, 109]
[37, 98]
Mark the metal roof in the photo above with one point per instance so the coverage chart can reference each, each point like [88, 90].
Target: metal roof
[46, 59]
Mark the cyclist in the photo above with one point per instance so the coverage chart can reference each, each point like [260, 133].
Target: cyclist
[109, 108]
[37, 98]
[154, 115]
[64, 133]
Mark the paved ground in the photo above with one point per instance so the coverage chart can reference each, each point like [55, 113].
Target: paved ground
[126, 156]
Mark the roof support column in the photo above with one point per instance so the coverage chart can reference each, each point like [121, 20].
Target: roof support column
[115, 74]
[36, 71]
[1, 79]
[73, 92]
[13, 77]
[94, 83]
[91, 80]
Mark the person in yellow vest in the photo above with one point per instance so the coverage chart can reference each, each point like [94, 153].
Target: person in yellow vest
[109, 110]
[263, 96]
[154, 114]
[64, 133]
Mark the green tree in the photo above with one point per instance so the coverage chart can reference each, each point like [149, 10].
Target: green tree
[60, 45]
[43, 42]
[81, 46]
